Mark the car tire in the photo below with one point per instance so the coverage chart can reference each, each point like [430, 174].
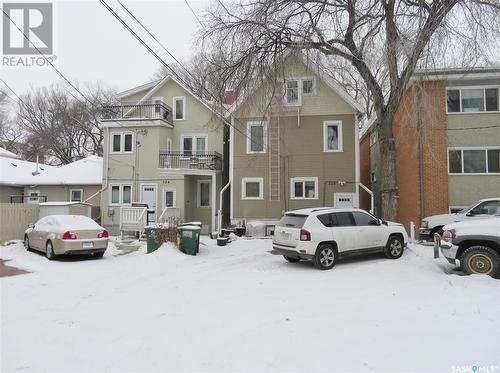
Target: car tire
[49, 251]
[394, 248]
[98, 255]
[325, 257]
[482, 260]
[27, 243]
[290, 259]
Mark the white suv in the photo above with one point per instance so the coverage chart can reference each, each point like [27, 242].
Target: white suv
[326, 234]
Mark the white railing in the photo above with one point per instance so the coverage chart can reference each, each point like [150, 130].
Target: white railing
[169, 212]
[133, 219]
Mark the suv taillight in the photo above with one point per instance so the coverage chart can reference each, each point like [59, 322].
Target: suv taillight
[69, 236]
[103, 234]
[305, 235]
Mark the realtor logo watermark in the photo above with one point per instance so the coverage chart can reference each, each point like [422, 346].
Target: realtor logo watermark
[27, 34]
[474, 369]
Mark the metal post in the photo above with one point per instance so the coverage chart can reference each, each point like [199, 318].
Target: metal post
[412, 232]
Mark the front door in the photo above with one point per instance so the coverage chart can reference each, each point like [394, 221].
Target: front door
[343, 200]
[148, 196]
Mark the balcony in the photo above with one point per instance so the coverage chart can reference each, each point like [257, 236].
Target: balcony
[209, 161]
[146, 110]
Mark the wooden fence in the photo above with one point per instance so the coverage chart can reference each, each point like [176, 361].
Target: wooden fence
[14, 219]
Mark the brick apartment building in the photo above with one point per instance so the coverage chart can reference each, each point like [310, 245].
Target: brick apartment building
[447, 138]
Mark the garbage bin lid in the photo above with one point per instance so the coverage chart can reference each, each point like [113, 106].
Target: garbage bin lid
[191, 223]
[190, 227]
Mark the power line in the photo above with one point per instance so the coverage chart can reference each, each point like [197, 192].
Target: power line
[192, 11]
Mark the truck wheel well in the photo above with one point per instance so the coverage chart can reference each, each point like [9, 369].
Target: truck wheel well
[464, 245]
[398, 235]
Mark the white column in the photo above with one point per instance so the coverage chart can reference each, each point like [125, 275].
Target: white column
[214, 201]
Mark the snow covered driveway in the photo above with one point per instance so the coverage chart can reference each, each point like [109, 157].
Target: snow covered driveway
[239, 308]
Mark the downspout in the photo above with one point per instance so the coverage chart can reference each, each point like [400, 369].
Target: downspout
[420, 151]
[219, 213]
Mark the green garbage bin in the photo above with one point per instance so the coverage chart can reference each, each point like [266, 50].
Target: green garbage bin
[152, 245]
[189, 239]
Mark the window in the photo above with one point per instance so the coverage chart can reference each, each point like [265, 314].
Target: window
[292, 94]
[328, 220]
[307, 86]
[34, 196]
[487, 208]
[469, 100]
[76, 195]
[332, 136]
[179, 108]
[344, 219]
[292, 220]
[363, 219]
[121, 194]
[203, 193]
[169, 197]
[122, 143]
[474, 161]
[252, 188]
[157, 108]
[256, 137]
[304, 188]
[194, 144]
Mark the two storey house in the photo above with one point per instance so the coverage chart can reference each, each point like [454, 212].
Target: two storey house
[296, 150]
[163, 147]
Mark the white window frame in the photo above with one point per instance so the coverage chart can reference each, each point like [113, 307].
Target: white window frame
[327, 123]
[462, 148]
[313, 91]
[198, 194]
[302, 179]
[174, 111]
[194, 136]
[174, 192]
[71, 194]
[120, 193]
[264, 135]
[460, 88]
[299, 92]
[245, 180]
[122, 142]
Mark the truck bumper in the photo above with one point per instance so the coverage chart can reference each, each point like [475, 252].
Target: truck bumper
[291, 253]
[448, 250]
[424, 234]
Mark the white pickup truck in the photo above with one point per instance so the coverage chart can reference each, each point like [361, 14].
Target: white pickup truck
[484, 208]
[476, 244]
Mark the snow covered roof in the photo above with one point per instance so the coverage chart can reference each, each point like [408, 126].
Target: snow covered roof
[63, 203]
[5, 153]
[86, 171]
[18, 172]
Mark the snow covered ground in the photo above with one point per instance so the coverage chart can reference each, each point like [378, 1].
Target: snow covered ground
[240, 308]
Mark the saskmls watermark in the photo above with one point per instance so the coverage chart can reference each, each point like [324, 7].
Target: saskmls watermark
[475, 369]
[27, 35]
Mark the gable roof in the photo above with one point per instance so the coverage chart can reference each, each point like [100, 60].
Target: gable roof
[16, 172]
[328, 80]
[153, 87]
[86, 171]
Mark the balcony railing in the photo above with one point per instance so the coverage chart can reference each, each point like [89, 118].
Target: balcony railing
[146, 110]
[28, 199]
[186, 160]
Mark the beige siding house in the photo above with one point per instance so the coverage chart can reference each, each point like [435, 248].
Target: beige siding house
[163, 147]
[300, 151]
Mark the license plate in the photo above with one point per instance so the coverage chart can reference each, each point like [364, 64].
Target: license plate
[88, 245]
[285, 235]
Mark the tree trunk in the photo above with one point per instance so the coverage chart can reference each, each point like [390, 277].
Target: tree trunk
[389, 195]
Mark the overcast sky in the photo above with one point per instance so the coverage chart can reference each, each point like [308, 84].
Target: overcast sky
[92, 46]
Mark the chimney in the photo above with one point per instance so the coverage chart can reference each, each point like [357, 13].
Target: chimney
[229, 96]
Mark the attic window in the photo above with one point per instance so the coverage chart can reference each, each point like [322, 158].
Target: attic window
[307, 86]
[293, 95]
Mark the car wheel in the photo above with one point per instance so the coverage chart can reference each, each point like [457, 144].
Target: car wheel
[27, 243]
[394, 248]
[290, 259]
[481, 260]
[325, 257]
[98, 255]
[49, 251]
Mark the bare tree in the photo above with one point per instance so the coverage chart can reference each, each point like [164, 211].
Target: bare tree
[10, 135]
[384, 42]
[61, 127]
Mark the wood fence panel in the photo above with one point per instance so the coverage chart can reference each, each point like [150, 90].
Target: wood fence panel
[14, 219]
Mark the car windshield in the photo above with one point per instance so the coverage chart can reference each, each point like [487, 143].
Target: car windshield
[292, 220]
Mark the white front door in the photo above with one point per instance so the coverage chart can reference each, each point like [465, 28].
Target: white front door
[343, 200]
[148, 195]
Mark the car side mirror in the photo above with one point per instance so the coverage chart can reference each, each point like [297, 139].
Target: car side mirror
[470, 213]
[379, 221]
[31, 225]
